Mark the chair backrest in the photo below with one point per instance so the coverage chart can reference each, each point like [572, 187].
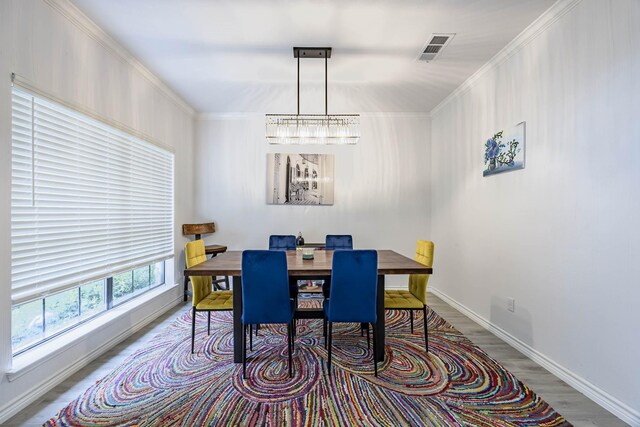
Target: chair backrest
[265, 287]
[418, 282]
[201, 285]
[338, 241]
[282, 242]
[354, 282]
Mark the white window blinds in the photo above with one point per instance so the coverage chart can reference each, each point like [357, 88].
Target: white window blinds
[87, 200]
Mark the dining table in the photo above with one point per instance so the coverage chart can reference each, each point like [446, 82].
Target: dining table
[230, 264]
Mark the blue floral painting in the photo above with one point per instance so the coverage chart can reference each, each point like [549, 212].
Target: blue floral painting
[504, 151]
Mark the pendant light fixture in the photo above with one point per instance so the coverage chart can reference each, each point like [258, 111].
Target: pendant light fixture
[313, 128]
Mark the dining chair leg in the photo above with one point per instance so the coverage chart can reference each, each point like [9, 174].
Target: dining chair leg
[290, 345]
[329, 361]
[411, 317]
[324, 332]
[251, 337]
[375, 350]
[288, 336]
[244, 351]
[193, 328]
[293, 341]
[426, 331]
[208, 323]
[368, 340]
[257, 328]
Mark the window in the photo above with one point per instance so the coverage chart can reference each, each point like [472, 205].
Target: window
[41, 319]
[91, 217]
[132, 283]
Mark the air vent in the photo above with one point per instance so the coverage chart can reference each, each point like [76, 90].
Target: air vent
[432, 48]
[439, 40]
[435, 46]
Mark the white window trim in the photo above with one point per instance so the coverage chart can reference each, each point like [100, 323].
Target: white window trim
[39, 355]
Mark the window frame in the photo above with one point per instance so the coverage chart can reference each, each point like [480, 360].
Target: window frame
[108, 305]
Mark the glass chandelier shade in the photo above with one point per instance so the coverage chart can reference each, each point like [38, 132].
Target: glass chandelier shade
[339, 129]
[292, 129]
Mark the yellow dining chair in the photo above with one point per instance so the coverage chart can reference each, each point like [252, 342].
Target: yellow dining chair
[416, 297]
[204, 299]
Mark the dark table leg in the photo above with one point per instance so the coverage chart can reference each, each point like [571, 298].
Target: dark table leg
[237, 319]
[380, 320]
[186, 288]
[216, 281]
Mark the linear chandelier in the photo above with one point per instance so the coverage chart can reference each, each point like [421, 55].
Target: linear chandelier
[313, 128]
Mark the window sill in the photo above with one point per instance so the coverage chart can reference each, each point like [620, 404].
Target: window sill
[38, 355]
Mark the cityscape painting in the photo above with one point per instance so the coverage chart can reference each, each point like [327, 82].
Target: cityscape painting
[300, 179]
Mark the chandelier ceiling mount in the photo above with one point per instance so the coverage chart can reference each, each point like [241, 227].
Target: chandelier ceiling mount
[313, 128]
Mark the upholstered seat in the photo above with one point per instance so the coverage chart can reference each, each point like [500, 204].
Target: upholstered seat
[265, 296]
[204, 299]
[415, 298]
[338, 241]
[285, 242]
[282, 242]
[220, 300]
[198, 230]
[354, 276]
[399, 299]
[334, 242]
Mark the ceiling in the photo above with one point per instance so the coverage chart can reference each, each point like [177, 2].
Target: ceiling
[231, 56]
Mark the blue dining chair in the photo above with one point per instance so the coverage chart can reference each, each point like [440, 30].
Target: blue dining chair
[353, 297]
[338, 241]
[331, 243]
[282, 242]
[265, 296]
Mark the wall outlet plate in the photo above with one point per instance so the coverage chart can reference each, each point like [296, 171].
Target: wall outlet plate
[511, 304]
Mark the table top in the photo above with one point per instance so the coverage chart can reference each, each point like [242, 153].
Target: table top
[230, 264]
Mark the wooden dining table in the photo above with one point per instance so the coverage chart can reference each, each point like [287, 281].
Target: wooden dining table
[230, 264]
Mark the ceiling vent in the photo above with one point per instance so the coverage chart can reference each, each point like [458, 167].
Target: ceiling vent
[435, 46]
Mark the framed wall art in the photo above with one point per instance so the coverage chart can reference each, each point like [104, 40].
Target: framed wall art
[300, 179]
[505, 151]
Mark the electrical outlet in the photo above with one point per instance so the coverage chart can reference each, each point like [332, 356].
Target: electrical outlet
[511, 304]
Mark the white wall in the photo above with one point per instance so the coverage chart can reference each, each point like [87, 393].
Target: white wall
[62, 53]
[562, 236]
[381, 185]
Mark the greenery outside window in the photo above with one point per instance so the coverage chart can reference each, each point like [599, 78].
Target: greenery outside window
[92, 216]
[36, 321]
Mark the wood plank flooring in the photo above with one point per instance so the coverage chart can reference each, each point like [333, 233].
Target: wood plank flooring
[574, 406]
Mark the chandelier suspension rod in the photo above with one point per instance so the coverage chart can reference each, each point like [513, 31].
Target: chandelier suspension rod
[298, 85]
[326, 110]
[326, 85]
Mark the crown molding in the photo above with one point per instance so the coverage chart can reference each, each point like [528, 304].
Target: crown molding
[537, 27]
[90, 28]
[229, 116]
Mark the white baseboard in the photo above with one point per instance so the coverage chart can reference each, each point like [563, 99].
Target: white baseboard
[599, 396]
[36, 391]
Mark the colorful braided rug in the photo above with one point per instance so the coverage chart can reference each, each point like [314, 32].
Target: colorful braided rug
[163, 384]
